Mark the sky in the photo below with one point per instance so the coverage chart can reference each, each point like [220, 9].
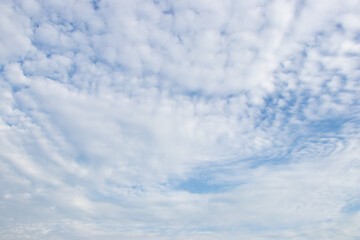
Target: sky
[179, 120]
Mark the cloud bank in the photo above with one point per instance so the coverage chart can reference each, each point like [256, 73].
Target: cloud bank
[179, 119]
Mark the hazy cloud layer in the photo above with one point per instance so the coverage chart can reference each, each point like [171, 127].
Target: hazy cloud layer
[179, 119]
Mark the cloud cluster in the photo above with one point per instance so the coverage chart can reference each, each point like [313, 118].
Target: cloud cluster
[179, 119]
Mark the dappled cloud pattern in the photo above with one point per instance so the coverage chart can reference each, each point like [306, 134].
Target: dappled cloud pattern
[185, 119]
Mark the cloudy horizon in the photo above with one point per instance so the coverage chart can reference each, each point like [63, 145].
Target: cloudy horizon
[186, 119]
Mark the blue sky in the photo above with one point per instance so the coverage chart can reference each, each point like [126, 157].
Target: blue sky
[178, 120]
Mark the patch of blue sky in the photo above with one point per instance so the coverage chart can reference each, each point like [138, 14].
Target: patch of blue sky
[299, 7]
[339, 27]
[55, 76]
[327, 126]
[204, 180]
[351, 208]
[195, 94]
[352, 54]
[293, 65]
[208, 179]
[169, 11]
[267, 112]
[81, 158]
[61, 22]
[256, 162]
[46, 48]
[179, 89]
[95, 4]
[357, 37]
[302, 102]
[16, 89]
[71, 71]
[200, 186]
[337, 74]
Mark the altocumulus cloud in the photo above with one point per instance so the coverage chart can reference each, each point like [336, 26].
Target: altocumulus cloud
[179, 119]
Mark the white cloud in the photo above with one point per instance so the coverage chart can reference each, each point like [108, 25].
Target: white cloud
[179, 120]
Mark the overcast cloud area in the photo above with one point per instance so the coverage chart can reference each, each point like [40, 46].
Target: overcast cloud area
[186, 119]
